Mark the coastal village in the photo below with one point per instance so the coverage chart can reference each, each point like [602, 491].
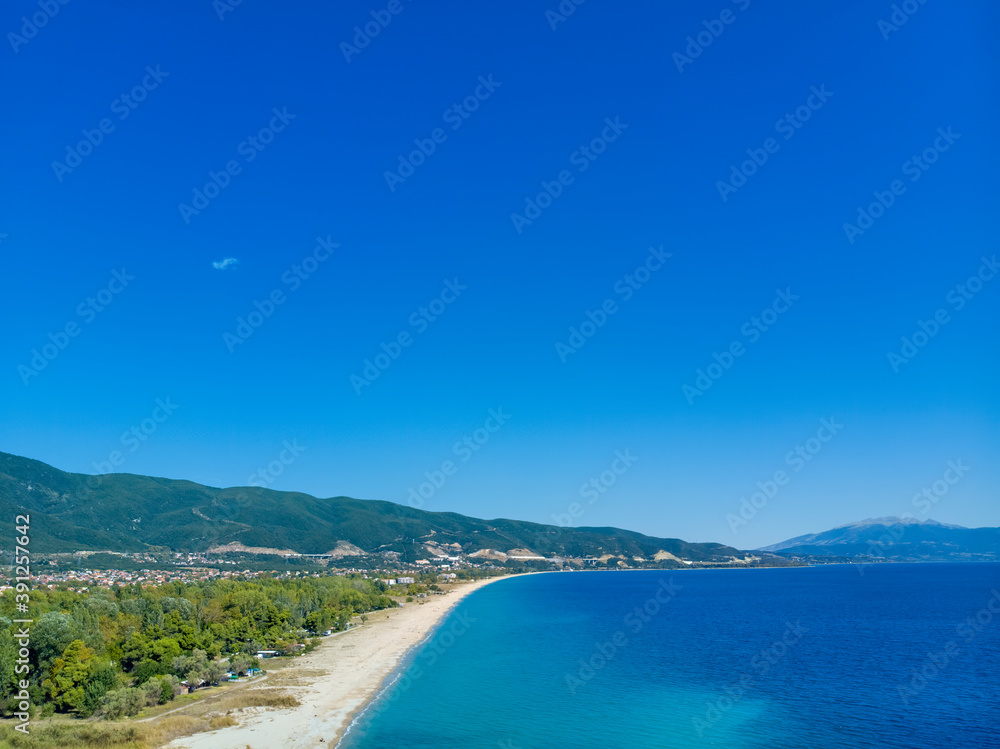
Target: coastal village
[71, 571]
[50, 570]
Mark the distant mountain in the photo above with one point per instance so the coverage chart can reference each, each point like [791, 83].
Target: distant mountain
[126, 512]
[898, 539]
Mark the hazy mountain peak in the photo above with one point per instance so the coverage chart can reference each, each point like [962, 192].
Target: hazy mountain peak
[896, 538]
[890, 520]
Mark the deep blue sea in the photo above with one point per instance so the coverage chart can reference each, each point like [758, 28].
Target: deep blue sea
[903, 656]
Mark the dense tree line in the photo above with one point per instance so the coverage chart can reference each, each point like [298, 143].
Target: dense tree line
[112, 652]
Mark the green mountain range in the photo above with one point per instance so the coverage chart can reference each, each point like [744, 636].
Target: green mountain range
[125, 512]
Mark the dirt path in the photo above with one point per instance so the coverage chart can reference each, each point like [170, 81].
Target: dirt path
[206, 701]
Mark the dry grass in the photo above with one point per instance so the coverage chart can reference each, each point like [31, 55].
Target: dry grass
[75, 735]
[160, 732]
[295, 678]
[257, 698]
[223, 721]
[207, 715]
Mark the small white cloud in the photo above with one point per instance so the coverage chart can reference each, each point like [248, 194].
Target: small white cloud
[223, 264]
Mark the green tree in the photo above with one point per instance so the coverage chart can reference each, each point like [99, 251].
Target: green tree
[242, 662]
[135, 649]
[183, 607]
[214, 672]
[164, 650]
[103, 679]
[192, 667]
[147, 669]
[50, 637]
[8, 662]
[69, 676]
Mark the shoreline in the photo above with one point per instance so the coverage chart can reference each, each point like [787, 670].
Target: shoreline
[404, 661]
[351, 671]
[390, 679]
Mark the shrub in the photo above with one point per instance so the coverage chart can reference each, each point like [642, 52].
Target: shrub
[170, 687]
[152, 691]
[122, 703]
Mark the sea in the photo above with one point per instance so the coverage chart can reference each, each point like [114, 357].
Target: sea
[826, 657]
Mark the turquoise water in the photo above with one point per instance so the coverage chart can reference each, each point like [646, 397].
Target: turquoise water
[819, 657]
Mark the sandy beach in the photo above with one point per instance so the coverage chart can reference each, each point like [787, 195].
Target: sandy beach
[339, 678]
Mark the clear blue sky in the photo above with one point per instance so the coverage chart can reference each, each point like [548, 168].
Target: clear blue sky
[651, 180]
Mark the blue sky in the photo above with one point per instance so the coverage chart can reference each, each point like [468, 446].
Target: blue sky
[301, 140]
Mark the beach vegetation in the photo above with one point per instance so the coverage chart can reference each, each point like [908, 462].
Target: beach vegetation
[111, 653]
